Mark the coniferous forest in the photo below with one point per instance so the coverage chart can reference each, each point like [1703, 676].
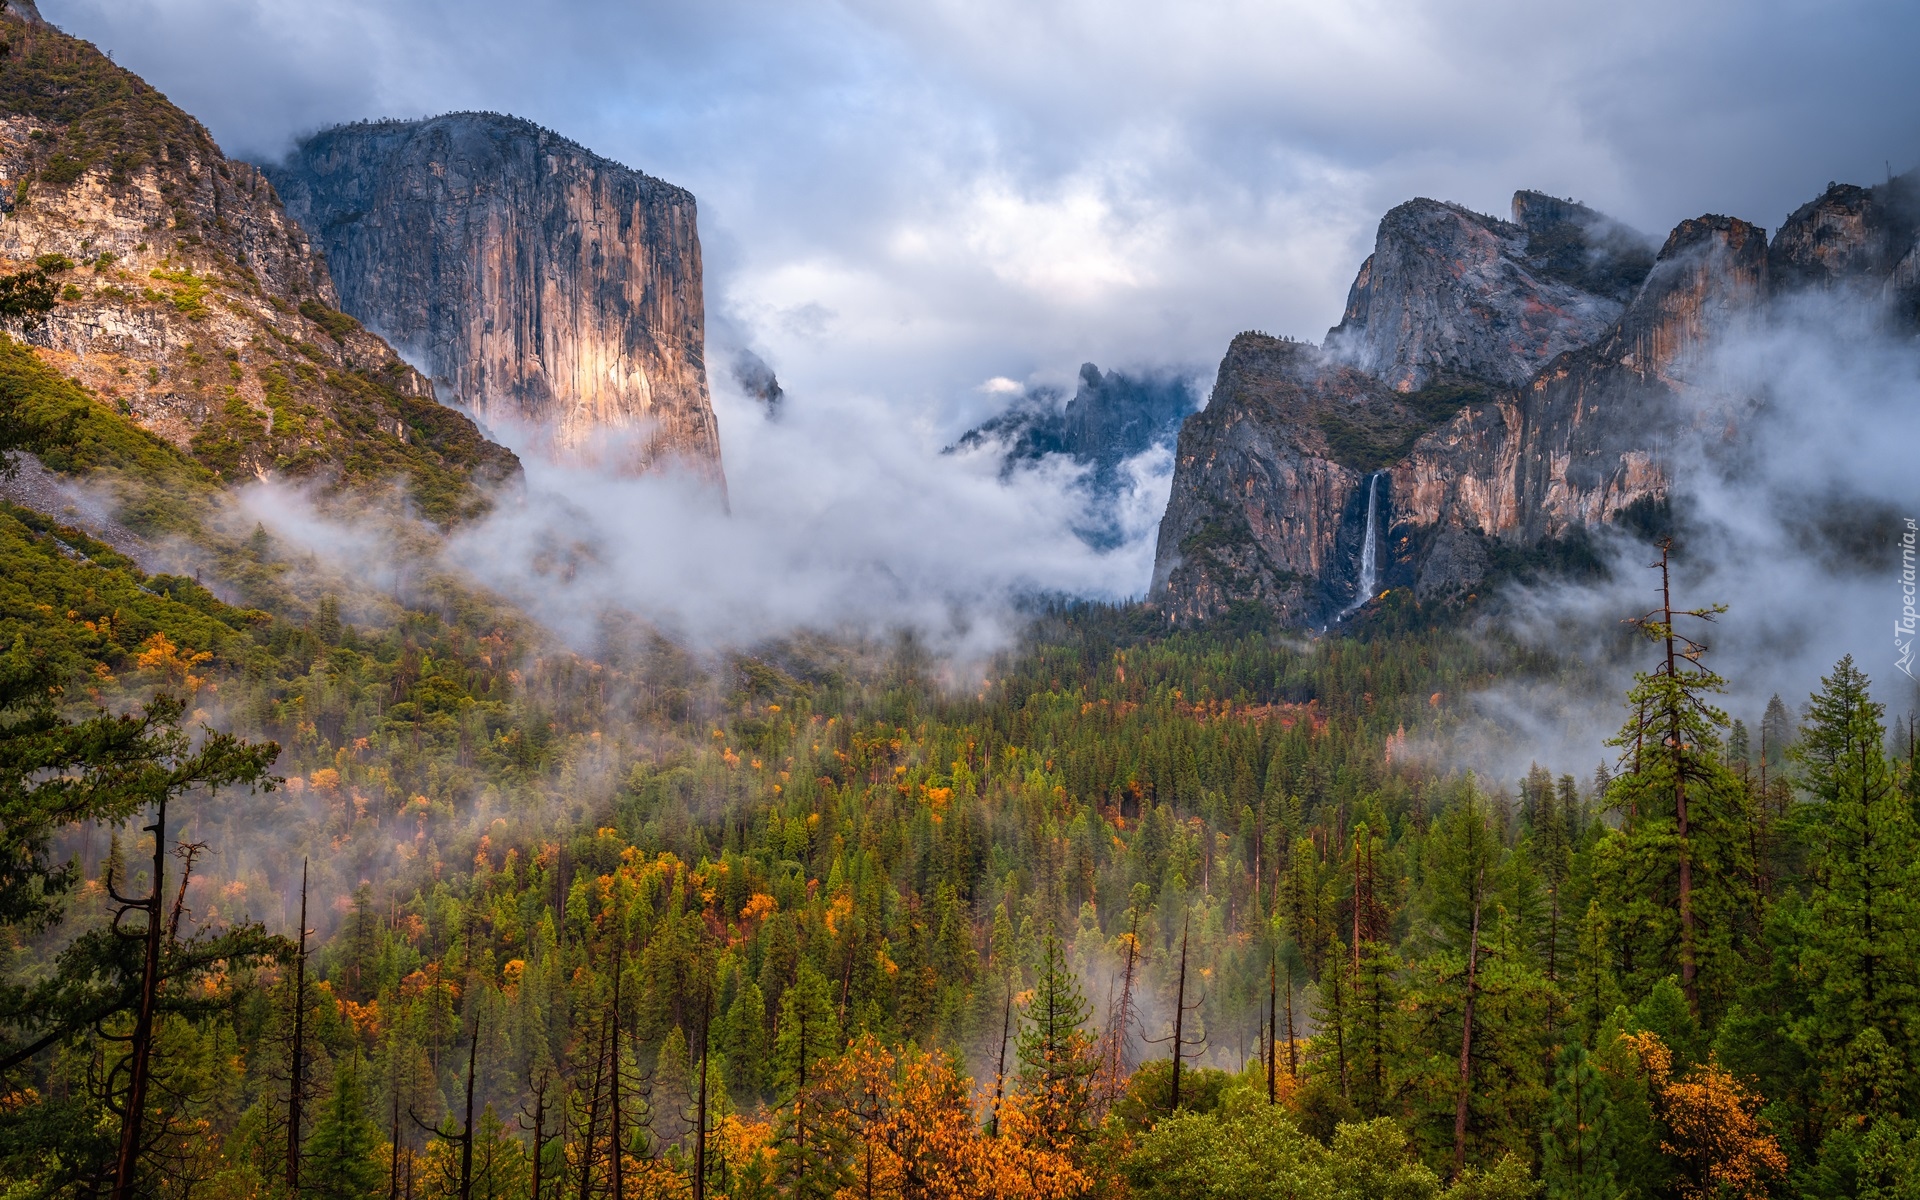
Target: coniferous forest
[445, 910]
[335, 867]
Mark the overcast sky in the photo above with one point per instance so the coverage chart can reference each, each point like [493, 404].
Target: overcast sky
[905, 200]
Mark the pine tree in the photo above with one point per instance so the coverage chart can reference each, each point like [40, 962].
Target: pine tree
[1861, 952]
[807, 1142]
[1596, 993]
[342, 1155]
[1376, 1033]
[1056, 1051]
[743, 1042]
[1680, 877]
[1577, 1150]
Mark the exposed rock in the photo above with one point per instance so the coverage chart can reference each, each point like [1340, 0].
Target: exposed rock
[1270, 482]
[1449, 292]
[1585, 439]
[1112, 417]
[540, 284]
[191, 303]
[1261, 512]
[757, 380]
[1865, 237]
[27, 483]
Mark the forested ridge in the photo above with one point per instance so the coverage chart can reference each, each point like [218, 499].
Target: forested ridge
[1169, 913]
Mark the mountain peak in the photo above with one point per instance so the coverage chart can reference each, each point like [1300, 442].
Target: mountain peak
[542, 285]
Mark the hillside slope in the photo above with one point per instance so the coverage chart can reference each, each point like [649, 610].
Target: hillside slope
[190, 303]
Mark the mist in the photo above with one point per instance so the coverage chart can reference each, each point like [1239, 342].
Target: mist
[1795, 474]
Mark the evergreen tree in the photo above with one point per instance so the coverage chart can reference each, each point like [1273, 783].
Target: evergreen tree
[342, 1153]
[1376, 1033]
[1056, 1050]
[1861, 947]
[1678, 877]
[1576, 1150]
[807, 1139]
[743, 1042]
[1596, 993]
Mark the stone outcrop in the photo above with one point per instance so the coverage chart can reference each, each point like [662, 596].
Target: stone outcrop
[1859, 237]
[539, 284]
[191, 303]
[1262, 512]
[1111, 417]
[1450, 292]
[1587, 438]
[1271, 479]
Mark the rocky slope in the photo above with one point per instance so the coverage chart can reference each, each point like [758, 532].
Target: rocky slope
[541, 285]
[1449, 292]
[1270, 486]
[1111, 417]
[190, 302]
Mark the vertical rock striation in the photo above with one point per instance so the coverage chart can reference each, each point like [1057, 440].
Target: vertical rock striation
[538, 283]
[1593, 341]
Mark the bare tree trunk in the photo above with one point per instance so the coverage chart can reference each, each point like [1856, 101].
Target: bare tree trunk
[617, 1167]
[297, 1071]
[140, 1053]
[1293, 1052]
[1689, 968]
[1273, 1029]
[700, 1116]
[1000, 1071]
[393, 1168]
[1179, 1017]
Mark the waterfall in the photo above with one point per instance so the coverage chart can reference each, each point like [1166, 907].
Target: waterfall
[1369, 550]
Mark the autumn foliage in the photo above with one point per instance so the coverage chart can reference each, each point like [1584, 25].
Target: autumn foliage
[917, 1137]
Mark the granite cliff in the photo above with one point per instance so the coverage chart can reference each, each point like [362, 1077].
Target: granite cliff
[539, 284]
[1499, 387]
[188, 301]
[1449, 292]
[1111, 417]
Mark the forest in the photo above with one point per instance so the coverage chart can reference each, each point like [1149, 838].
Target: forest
[320, 889]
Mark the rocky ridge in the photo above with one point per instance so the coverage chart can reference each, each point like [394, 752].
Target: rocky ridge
[191, 303]
[541, 285]
[1268, 502]
[1450, 292]
[1111, 417]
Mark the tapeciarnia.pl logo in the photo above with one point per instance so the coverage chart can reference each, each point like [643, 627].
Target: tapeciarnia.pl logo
[1903, 629]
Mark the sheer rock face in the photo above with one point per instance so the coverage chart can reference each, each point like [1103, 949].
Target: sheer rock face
[1268, 506]
[1866, 238]
[1586, 438]
[1260, 512]
[1111, 417]
[1449, 292]
[540, 284]
[189, 301]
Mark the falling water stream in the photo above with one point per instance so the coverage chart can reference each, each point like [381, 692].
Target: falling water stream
[1369, 551]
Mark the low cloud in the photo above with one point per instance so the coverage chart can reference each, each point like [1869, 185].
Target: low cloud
[844, 518]
[1795, 481]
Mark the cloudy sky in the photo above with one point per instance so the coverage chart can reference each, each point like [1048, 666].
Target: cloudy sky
[905, 200]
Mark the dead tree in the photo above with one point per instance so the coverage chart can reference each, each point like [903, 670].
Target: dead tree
[464, 1139]
[297, 1068]
[140, 1051]
[1180, 1041]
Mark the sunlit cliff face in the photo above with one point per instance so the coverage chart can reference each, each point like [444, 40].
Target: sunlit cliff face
[543, 287]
